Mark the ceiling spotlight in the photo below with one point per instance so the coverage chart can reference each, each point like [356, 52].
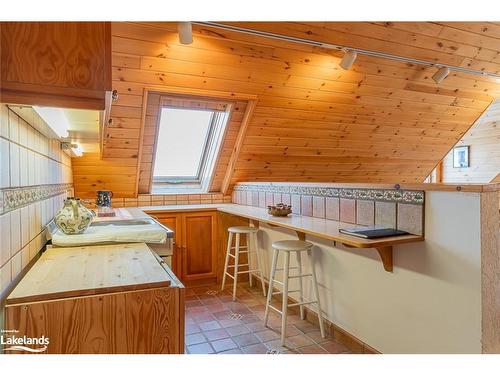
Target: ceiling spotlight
[74, 148]
[441, 74]
[185, 30]
[348, 60]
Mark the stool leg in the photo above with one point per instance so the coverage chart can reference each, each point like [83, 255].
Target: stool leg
[301, 288]
[259, 262]
[236, 259]
[228, 251]
[286, 273]
[316, 293]
[249, 240]
[270, 290]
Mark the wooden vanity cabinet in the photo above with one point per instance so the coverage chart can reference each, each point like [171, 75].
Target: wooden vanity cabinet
[195, 244]
[58, 64]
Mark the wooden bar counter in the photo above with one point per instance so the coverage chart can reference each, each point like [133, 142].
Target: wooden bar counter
[302, 225]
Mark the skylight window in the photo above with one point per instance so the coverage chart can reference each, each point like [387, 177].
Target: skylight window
[187, 145]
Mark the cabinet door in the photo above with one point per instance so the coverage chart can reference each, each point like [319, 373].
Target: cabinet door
[199, 232]
[60, 64]
[173, 222]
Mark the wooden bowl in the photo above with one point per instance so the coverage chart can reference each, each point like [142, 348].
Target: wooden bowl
[279, 210]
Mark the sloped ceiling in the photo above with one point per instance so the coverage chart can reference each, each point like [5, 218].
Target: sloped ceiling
[381, 121]
[483, 139]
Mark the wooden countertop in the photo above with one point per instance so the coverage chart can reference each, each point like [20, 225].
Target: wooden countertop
[89, 270]
[322, 228]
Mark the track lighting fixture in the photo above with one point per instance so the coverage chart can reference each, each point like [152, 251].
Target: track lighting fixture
[350, 52]
[441, 74]
[348, 60]
[185, 30]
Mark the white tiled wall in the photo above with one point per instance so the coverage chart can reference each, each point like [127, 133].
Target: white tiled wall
[27, 158]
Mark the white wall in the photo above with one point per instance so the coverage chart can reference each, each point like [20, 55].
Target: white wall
[429, 304]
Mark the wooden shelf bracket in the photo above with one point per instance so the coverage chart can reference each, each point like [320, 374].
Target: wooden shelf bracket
[385, 253]
[386, 257]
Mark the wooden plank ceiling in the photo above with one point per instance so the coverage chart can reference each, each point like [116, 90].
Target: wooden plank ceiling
[381, 121]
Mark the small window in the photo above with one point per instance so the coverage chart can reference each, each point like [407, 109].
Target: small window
[187, 145]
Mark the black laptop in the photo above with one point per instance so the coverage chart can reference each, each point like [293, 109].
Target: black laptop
[372, 232]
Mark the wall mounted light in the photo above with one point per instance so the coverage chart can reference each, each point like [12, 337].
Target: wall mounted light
[441, 74]
[185, 30]
[348, 60]
[75, 149]
[55, 119]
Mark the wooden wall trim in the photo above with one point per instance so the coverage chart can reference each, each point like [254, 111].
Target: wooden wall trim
[141, 139]
[237, 147]
[490, 273]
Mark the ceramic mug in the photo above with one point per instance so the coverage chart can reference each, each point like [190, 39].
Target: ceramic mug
[104, 198]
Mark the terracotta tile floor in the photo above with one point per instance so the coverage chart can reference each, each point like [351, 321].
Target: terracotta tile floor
[216, 324]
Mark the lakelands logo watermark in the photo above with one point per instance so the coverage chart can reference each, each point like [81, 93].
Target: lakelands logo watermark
[11, 342]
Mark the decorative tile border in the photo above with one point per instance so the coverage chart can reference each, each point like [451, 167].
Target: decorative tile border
[12, 198]
[383, 195]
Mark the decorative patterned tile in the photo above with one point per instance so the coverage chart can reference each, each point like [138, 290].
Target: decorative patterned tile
[18, 197]
[348, 210]
[385, 214]
[387, 195]
[410, 218]
[365, 212]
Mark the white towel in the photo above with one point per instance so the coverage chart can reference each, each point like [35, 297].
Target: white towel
[152, 233]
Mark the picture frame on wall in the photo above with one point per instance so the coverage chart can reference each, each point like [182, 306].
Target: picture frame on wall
[461, 157]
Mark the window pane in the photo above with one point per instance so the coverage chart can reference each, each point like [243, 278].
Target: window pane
[181, 141]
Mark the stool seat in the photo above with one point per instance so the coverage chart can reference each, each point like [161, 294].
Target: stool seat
[243, 229]
[292, 245]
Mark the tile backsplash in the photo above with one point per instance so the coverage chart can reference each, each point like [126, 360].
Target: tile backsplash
[395, 208]
[165, 200]
[35, 178]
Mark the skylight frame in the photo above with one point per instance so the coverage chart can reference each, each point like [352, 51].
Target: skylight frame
[211, 149]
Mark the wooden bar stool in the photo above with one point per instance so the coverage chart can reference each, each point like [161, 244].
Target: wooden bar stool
[287, 247]
[250, 248]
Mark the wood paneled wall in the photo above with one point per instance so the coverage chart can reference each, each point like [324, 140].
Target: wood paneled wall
[483, 140]
[381, 121]
[91, 173]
